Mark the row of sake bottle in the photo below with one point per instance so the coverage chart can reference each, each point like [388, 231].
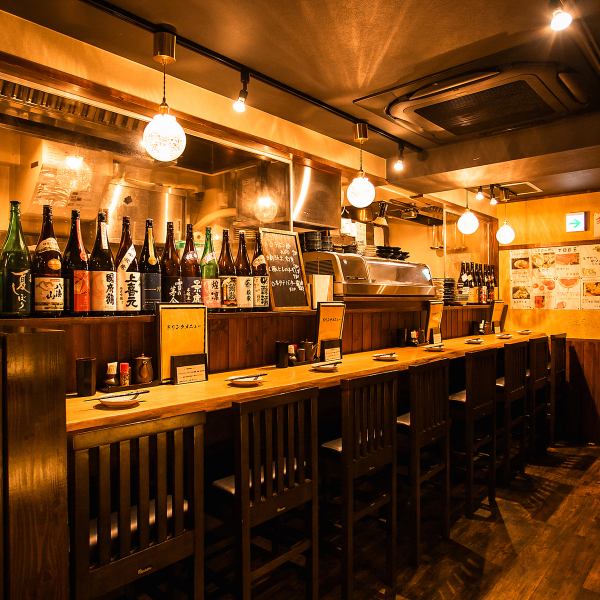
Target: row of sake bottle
[74, 283]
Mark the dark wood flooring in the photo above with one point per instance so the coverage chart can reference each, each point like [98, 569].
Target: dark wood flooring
[540, 542]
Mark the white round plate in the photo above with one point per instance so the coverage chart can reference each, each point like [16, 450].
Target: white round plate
[385, 358]
[121, 402]
[325, 368]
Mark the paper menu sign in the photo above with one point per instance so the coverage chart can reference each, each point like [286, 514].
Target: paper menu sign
[520, 295]
[520, 265]
[589, 257]
[567, 262]
[543, 262]
[590, 294]
[567, 295]
[596, 224]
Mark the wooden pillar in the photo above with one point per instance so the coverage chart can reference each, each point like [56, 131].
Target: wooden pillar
[33, 465]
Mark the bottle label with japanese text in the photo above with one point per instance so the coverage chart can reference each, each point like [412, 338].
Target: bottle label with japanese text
[259, 260]
[127, 259]
[151, 288]
[104, 291]
[244, 292]
[129, 291]
[261, 291]
[172, 289]
[228, 291]
[81, 291]
[208, 258]
[49, 294]
[17, 292]
[211, 293]
[192, 290]
[47, 244]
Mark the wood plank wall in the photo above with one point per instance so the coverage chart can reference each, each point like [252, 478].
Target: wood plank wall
[244, 340]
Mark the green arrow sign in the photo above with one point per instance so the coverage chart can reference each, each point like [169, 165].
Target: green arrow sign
[575, 222]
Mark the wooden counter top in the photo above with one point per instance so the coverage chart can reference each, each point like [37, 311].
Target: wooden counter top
[216, 393]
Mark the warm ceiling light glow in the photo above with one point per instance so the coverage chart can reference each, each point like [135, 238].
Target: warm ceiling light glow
[505, 234]
[468, 222]
[164, 138]
[361, 192]
[561, 19]
[74, 162]
[265, 209]
[479, 195]
[240, 104]
[493, 201]
[399, 165]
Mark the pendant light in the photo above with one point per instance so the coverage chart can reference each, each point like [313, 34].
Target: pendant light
[468, 222]
[240, 104]
[493, 199]
[399, 164]
[380, 219]
[361, 192]
[479, 195]
[505, 234]
[561, 18]
[164, 138]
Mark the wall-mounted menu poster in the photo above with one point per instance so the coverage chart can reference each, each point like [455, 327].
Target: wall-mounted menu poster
[181, 330]
[286, 270]
[558, 278]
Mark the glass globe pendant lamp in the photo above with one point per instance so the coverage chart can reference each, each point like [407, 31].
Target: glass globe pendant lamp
[505, 234]
[164, 138]
[361, 192]
[468, 222]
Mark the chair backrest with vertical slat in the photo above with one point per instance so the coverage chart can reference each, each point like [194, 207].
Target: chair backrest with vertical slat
[515, 369]
[538, 359]
[558, 355]
[132, 488]
[429, 403]
[369, 416]
[276, 451]
[480, 368]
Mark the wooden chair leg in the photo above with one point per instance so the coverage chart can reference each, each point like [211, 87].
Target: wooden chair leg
[312, 561]
[244, 583]
[446, 489]
[415, 489]
[469, 465]
[392, 529]
[492, 467]
[348, 537]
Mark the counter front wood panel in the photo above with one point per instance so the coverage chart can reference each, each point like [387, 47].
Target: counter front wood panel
[216, 394]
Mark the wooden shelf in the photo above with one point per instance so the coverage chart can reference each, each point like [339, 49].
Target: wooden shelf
[54, 322]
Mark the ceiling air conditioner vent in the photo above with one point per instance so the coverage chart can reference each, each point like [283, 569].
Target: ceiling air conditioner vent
[500, 100]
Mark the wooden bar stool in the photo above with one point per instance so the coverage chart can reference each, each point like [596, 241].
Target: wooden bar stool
[426, 427]
[537, 393]
[473, 432]
[366, 449]
[276, 470]
[511, 397]
[136, 502]
[558, 379]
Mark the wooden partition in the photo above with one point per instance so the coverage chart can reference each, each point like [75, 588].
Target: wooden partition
[245, 340]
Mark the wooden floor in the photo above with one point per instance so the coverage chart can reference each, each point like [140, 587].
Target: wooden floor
[541, 542]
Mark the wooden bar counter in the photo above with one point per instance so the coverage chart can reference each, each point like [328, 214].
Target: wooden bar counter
[216, 394]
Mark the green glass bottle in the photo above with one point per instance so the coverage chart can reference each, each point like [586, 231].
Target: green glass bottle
[211, 285]
[15, 268]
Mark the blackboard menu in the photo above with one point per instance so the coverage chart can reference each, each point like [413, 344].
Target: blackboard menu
[286, 270]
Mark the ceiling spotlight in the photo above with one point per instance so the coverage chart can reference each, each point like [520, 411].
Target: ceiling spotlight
[164, 138]
[468, 222]
[361, 192]
[493, 199]
[410, 213]
[479, 195]
[561, 18]
[399, 164]
[240, 104]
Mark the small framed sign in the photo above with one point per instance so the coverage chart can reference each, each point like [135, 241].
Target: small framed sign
[434, 322]
[331, 350]
[330, 325]
[496, 318]
[188, 368]
[181, 330]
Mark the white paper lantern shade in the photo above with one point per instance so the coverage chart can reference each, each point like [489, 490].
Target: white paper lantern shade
[468, 222]
[505, 234]
[164, 138]
[360, 192]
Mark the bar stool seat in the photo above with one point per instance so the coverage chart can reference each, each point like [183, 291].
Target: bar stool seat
[227, 484]
[500, 382]
[403, 420]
